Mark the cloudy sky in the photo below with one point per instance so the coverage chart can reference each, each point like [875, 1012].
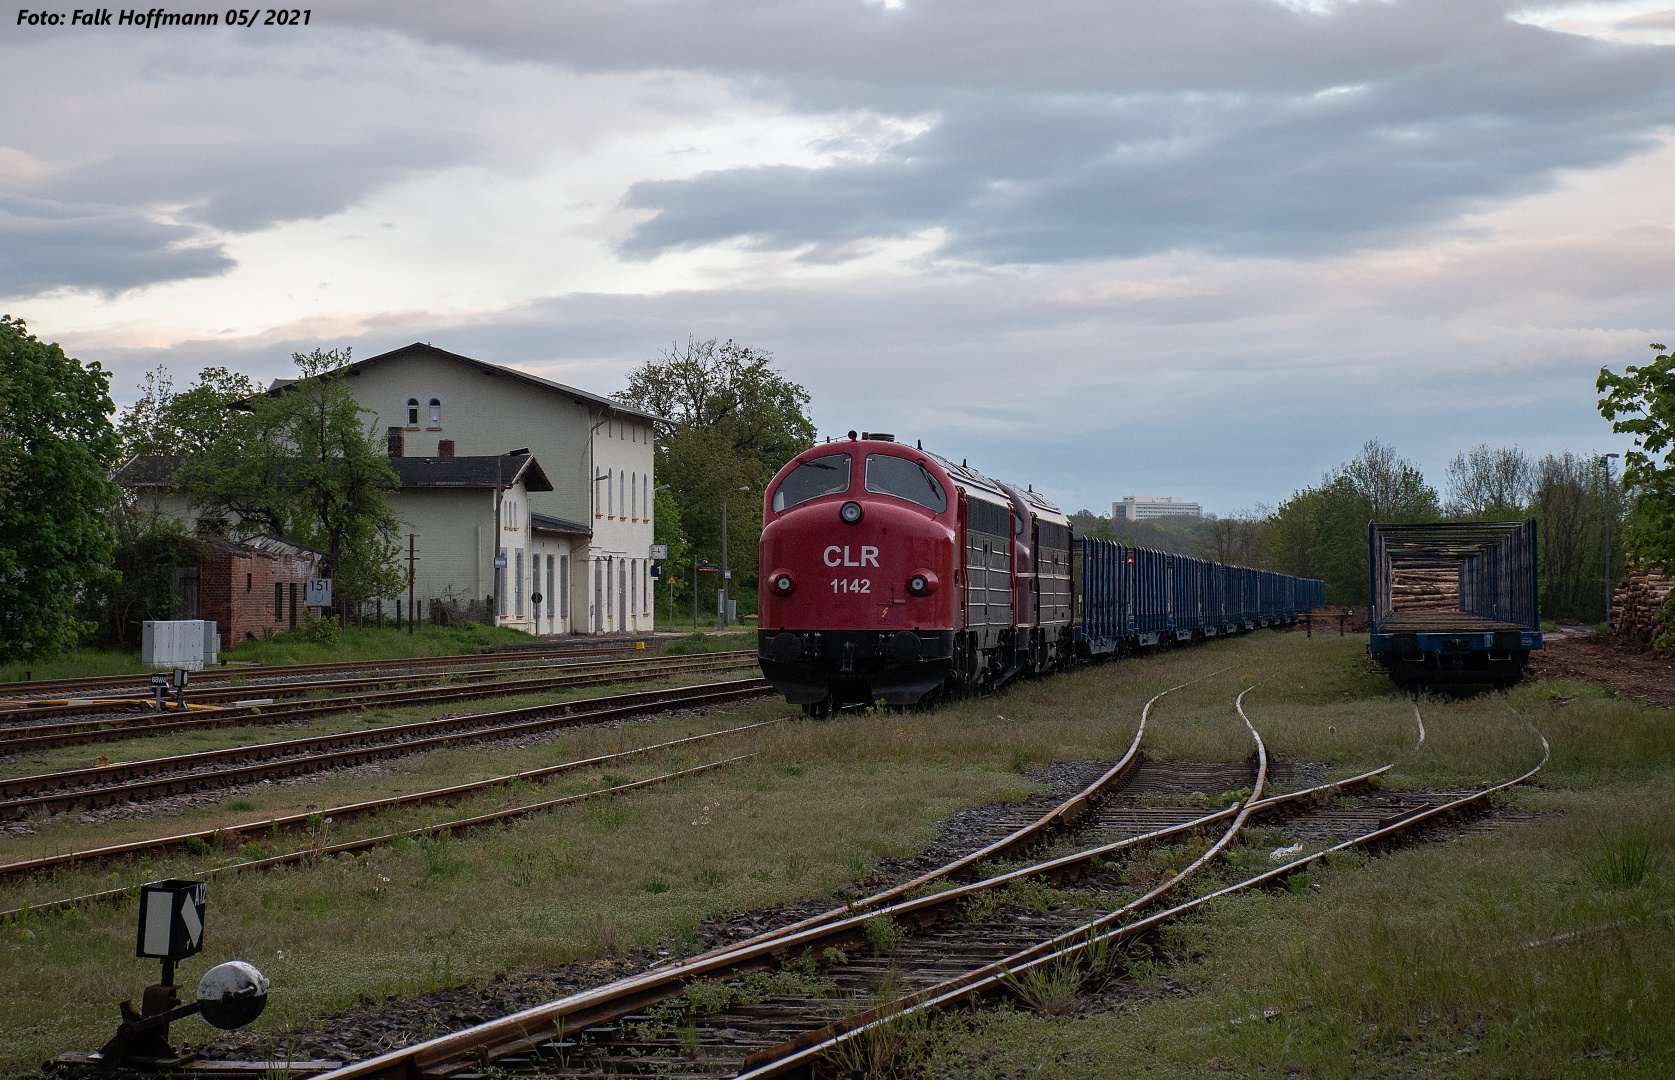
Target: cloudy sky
[1202, 248]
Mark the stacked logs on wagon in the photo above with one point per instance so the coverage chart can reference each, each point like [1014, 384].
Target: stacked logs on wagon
[1416, 589]
[1638, 611]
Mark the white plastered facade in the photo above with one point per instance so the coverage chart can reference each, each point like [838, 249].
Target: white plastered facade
[598, 455]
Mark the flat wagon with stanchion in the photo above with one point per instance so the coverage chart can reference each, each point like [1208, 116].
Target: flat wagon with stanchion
[1454, 601]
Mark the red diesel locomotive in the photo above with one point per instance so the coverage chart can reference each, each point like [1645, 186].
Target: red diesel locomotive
[890, 574]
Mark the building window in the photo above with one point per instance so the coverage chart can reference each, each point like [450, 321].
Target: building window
[412, 412]
[278, 600]
[435, 410]
[634, 584]
[249, 582]
[550, 589]
[500, 584]
[564, 586]
[634, 493]
[517, 566]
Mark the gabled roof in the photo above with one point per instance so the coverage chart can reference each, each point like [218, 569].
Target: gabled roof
[470, 472]
[548, 523]
[420, 348]
[149, 470]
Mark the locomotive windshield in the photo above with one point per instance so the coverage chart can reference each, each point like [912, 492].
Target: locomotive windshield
[828, 475]
[891, 475]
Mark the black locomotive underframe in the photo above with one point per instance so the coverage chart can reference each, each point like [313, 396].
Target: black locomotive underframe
[898, 667]
[814, 668]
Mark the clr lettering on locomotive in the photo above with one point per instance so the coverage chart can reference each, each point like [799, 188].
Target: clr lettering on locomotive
[869, 556]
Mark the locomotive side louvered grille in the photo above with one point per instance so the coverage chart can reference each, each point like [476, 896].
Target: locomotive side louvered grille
[986, 517]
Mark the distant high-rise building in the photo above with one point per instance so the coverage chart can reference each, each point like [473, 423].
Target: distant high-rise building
[1144, 507]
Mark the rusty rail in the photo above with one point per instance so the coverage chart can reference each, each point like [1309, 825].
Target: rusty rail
[45, 687]
[179, 841]
[264, 711]
[492, 818]
[805, 1051]
[24, 710]
[526, 1030]
[101, 785]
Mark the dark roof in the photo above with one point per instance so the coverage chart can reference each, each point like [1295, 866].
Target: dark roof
[548, 523]
[158, 470]
[419, 348]
[149, 470]
[470, 472]
[262, 545]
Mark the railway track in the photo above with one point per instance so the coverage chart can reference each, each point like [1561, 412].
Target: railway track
[140, 682]
[226, 836]
[218, 769]
[250, 709]
[24, 711]
[787, 1022]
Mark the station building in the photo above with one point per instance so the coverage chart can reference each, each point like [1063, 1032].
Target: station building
[512, 487]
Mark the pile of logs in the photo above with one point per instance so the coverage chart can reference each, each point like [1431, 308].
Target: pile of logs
[1424, 590]
[1637, 607]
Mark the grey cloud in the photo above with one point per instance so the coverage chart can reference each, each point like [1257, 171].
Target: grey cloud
[1082, 129]
[248, 186]
[1082, 397]
[46, 245]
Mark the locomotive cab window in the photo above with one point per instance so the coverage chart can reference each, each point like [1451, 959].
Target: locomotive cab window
[828, 475]
[891, 475]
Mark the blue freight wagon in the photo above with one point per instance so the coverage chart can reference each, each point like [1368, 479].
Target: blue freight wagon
[1131, 598]
[1453, 602]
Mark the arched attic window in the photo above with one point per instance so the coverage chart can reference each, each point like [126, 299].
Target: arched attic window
[412, 412]
[435, 411]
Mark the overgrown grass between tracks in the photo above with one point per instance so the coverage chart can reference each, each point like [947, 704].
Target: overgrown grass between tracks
[826, 800]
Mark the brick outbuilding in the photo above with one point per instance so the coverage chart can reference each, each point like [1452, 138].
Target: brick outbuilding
[254, 589]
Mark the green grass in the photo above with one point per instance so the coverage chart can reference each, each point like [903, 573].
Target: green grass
[712, 642]
[1428, 949]
[80, 664]
[140, 749]
[291, 647]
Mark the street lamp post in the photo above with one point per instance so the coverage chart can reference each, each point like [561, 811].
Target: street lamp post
[1609, 503]
[726, 574]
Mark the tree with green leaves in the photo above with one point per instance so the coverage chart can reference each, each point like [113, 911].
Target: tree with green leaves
[147, 549]
[1321, 532]
[1489, 484]
[1641, 402]
[58, 448]
[186, 424]
[733, 421]
[667, 529]
[1576, 507]
[299, 462]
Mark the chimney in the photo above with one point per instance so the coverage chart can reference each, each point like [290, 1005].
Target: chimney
[445, 448]
[396, 441]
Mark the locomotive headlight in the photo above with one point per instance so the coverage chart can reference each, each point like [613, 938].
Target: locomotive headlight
[851, 513]
[783, 583]
[922, 583]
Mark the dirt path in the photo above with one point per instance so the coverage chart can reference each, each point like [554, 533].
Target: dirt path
[1645, 674]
